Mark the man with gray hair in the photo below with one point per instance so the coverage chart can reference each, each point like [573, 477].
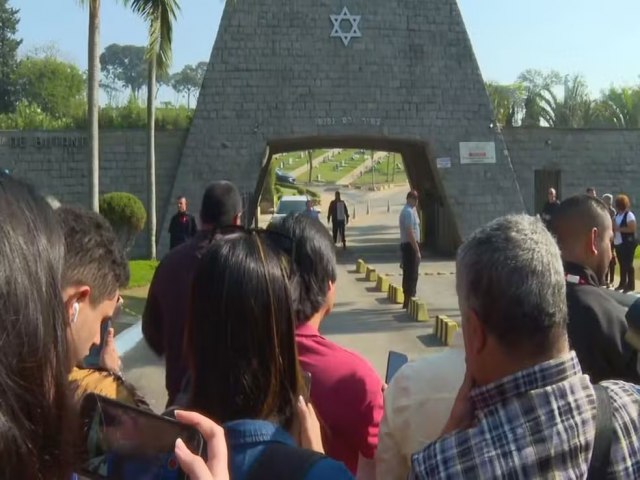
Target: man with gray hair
[525, 410]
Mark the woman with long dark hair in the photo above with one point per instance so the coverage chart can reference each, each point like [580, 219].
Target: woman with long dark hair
[244, 364]
[36, 413]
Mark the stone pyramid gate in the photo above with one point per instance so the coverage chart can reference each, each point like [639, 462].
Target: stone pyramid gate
[399, 75]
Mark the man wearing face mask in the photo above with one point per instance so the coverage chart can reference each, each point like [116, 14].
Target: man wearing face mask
[95, 269]
[597, 325]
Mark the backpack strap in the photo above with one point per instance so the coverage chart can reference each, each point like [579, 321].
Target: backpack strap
[279, 461]
[600, 457]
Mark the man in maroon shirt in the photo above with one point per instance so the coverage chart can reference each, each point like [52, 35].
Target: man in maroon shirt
[164, 317]
[345, 389]
[183, 225]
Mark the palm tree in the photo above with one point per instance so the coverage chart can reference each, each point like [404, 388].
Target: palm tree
[507, 101]
[160, 15]
[621, 107]
[93, 98]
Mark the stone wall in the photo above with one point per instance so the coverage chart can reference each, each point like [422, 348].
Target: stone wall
[608, 160]
[57, 163]
[277, 73]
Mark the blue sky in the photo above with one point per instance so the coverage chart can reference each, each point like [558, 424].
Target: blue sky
[598, 38]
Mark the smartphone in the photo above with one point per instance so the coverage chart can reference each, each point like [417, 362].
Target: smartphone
[126, 443]
[395, 360]
[307, 386]
[92, 360]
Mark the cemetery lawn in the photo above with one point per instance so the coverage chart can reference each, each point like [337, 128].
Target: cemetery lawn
[327, 170]
[296, 160]
[381, 176]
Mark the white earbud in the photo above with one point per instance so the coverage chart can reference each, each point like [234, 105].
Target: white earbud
[76, 310]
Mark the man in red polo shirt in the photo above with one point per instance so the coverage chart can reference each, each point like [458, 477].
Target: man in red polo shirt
[345, 389]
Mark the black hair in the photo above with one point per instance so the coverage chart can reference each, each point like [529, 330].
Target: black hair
[221, 203]
[241, 333]
[314, 257]
[36, 415]
[577, 215]
[93, 255]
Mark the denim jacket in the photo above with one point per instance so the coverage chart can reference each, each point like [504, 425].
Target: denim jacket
[247, 439]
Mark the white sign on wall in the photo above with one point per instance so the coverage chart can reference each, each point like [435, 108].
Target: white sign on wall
[477, 152]
[443, 162]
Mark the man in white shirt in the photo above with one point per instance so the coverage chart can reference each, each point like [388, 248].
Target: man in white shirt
[410, 246]
[417, 404]
[339, 213]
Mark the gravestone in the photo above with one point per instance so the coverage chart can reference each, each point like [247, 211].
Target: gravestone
[396, 69]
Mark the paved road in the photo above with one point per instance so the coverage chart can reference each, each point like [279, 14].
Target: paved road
[363, 319]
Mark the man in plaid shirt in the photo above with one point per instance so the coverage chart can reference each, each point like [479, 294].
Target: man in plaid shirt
[525, 410]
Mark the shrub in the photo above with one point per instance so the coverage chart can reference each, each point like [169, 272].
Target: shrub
[126, 214]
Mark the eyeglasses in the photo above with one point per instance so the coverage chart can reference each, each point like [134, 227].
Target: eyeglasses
[281, 241]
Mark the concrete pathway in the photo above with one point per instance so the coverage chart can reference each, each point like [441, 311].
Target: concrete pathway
[355, 174]
[316, 161]
[363, 319]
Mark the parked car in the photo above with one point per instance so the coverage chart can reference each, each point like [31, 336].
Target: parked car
[290, 204]
[284, 177]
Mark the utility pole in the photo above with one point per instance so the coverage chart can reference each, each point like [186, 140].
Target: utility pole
[393, 175]
[388, 158]
[373, 172]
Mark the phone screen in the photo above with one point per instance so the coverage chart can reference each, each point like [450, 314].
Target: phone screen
[126, 443]
[92, 360]
[394, 362]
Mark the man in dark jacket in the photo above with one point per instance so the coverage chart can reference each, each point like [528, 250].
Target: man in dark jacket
[338, 215]
[164, 317]
[183, 225]
[597, 325]
[550, 207]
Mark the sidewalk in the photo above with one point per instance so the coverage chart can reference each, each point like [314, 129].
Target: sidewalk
[316, 161]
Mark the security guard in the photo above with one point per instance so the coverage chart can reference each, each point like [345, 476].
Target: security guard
[597, 324]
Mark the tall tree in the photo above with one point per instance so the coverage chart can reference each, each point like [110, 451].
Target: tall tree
[508, 102]
[56, 87]
[8, 55]
[189, 80]
[159, 15]
[125, 64]
[536, 83]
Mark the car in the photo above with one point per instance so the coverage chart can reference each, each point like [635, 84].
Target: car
[284, 177]
[290, 204]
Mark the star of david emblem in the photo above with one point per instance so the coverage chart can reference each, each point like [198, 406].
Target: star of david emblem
[337, 30]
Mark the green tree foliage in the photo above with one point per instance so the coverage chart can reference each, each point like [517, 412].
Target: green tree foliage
[125, 65]
[126, 214]
[189, 80]
[508, 102]
[56, 87]
[621, 107]
[8, 55]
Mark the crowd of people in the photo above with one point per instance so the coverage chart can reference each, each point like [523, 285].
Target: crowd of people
[539, 383]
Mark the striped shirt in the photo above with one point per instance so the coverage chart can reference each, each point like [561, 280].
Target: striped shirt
[537, 423]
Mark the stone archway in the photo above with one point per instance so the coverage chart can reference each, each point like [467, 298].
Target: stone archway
[284, 70]
[441, 231]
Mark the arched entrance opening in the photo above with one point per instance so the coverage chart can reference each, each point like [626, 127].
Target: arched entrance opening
[440, 232]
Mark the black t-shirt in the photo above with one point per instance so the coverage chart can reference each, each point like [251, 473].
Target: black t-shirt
[548, 210]
[183, 226]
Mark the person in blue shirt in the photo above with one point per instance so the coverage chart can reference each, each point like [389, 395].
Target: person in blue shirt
[243, 365]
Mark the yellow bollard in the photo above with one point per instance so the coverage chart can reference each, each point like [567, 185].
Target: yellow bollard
[412, 307]
[450, 329]
[371, 274]
[422, 314]
[398, 295]
[361, 267]
[438, 328]
[382, 284]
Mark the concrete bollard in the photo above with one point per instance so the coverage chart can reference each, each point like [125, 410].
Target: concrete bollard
[422, 314]
[354, 213]
[412, 307]
[398, 295]
[388, 206]
[371, 275]
[445, 329]
[382, 284]
[368, 207]
[390, 292]
[361, 267]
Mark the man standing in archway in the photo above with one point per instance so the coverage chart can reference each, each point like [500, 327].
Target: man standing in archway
[410, 246]
[338, 215]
